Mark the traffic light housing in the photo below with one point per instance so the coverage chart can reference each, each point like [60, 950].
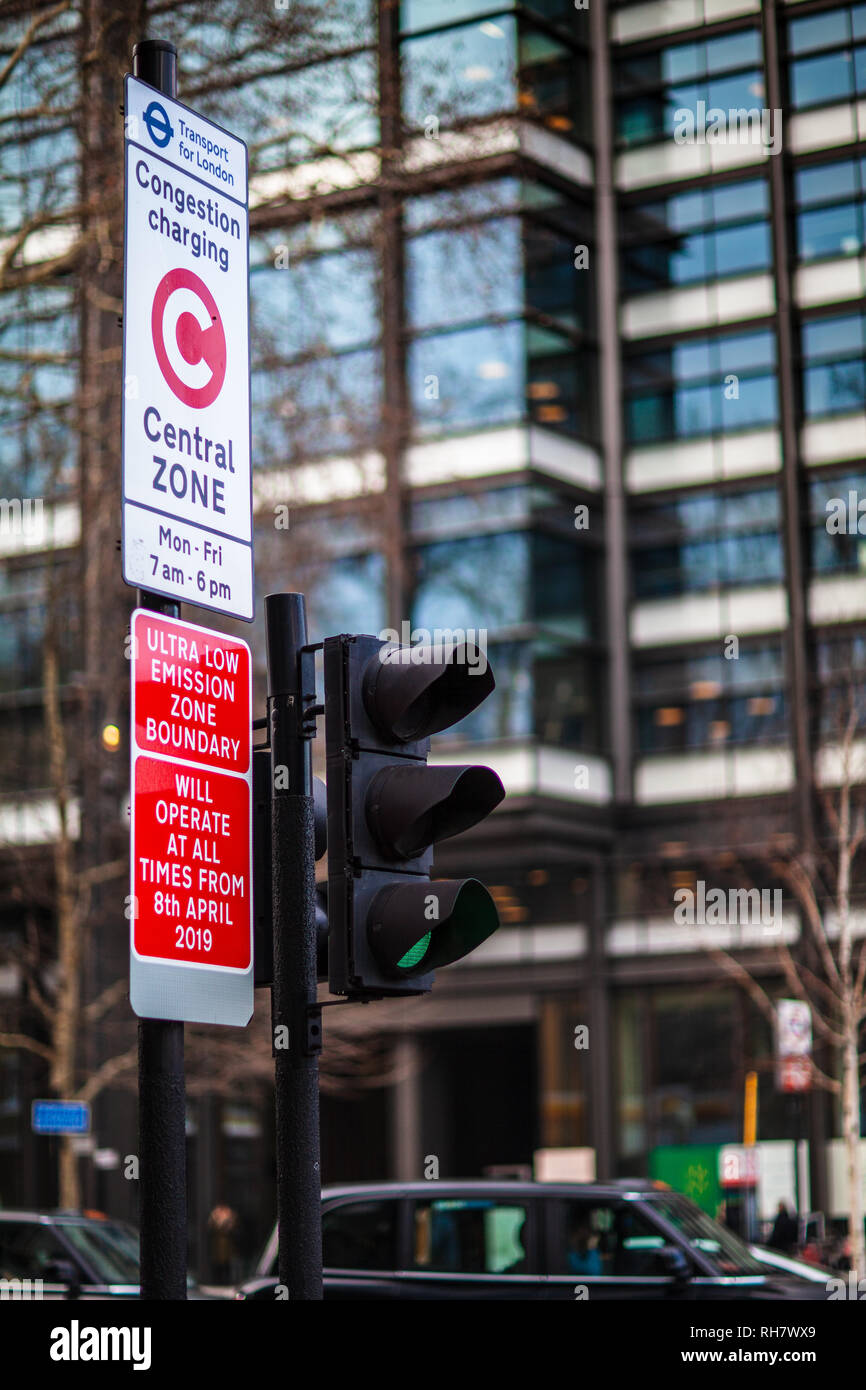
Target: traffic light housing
[390, 926]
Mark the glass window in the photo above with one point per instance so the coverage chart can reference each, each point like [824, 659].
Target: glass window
[835, 389]
[824, 183]
[834, 372]
[28, 1248]
[460, 204]
[468, 379]
[313, 111]
[694, 1097]
[347, 595]
[838, 68]
[360, 1236]
[317, 406]
[461, 74]
[734, 51]
[464, 273]
[429, 14]
[613, 1239]
[565, 585]
[467, 511]
[818, 31]
[830, 232]
[838, 525]
[826, 79]
[680, 404]
[569, 706]
[834, 337]
[707, 541]
[110, 1249]
[739, 250]
[304, 306]
[734, 201]
[470, 1236]
[651, 89]
[724, 1249]
[499, 65]
[476, 581]
[705, 700]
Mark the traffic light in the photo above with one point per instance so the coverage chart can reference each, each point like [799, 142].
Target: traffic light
[390, 926]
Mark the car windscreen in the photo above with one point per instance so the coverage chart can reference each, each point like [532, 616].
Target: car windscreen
[109, 1248]
[725, 1251]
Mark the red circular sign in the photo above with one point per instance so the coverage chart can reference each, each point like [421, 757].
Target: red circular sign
[196, 341]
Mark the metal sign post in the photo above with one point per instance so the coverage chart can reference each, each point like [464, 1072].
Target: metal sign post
[161, 1081]
[296, 1017]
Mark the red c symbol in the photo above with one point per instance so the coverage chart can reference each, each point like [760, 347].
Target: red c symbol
[195, 339]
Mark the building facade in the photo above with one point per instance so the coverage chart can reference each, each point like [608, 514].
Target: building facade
[558, 323]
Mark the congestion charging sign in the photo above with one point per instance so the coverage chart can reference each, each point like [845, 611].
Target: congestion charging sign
[187, 483]
[190, 905]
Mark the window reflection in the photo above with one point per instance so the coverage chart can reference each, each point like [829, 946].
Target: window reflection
[696, 236]
[723, 72]
[708, 541]
[829, 198]
[348, 595]
[828, 57]
[544, 690]
[37, 445]
[314, 111]
[666, 398]
[834, 503]
[834, 376]
[305, 307]
[495, 67]
[316, 407]
[506, 579]
[705, 700]
[476, 581]
[464, 273]
[468, 379]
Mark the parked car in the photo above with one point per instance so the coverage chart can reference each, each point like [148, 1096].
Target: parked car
[69, 1255]
[521, 1240]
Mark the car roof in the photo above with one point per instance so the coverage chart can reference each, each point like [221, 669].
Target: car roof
[477, 1187]
[55, 1218]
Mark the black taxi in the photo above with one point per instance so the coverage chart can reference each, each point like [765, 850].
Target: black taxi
[628, 1239]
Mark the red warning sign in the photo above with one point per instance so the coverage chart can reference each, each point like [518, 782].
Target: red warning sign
[191, 693]
[191, 806]
[189, 338]
[191, 865]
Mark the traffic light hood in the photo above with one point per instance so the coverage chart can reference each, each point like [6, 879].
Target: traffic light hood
[413, 692]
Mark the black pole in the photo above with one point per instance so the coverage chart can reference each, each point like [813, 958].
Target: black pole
[161, 1083]
[296, 1018]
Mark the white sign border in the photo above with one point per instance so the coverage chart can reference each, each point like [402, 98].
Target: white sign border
[187, 991]
[160, 587]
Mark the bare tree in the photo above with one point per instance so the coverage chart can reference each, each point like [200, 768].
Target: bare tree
[830, 977]
[61, 260]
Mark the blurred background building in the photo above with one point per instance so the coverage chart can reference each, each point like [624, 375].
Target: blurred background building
[524, 361]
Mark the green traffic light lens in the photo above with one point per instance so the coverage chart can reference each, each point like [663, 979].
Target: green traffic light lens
[415, 953]
[462, 909]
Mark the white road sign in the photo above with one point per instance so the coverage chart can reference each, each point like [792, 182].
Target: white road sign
[187, 486]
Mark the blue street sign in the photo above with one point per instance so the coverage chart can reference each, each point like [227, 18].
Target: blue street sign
[60, 1117]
